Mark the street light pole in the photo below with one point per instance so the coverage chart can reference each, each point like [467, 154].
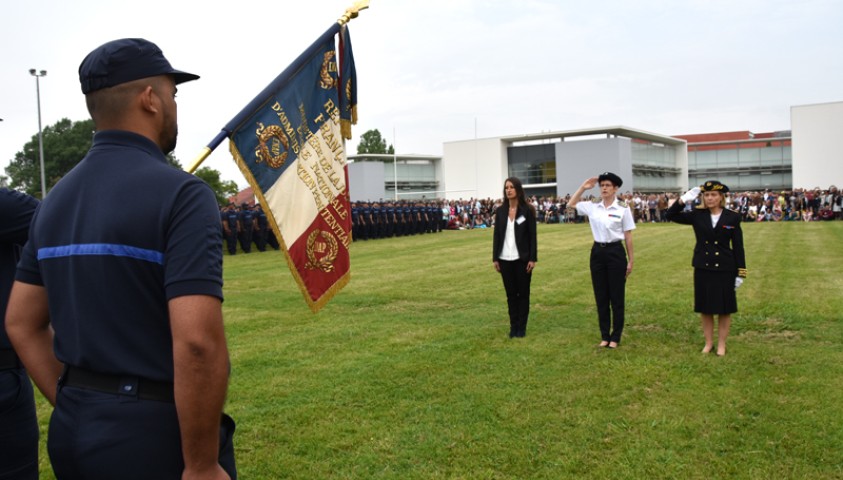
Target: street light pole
[38, 75]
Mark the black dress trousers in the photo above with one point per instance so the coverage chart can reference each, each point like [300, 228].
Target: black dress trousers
[608, 277]
[516, 283]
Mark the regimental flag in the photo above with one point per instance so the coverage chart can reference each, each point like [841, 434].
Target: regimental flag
[290, 148]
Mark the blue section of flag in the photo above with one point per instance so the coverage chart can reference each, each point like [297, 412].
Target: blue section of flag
[348, 83]
[113, 249]
[287, 117]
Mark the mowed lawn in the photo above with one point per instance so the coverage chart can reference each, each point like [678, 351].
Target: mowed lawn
[408, 373]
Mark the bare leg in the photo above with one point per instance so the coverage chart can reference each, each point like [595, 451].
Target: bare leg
[723, 324]
[708, 331]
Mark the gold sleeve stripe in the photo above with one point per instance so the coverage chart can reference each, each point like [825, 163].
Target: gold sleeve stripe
[742, 272]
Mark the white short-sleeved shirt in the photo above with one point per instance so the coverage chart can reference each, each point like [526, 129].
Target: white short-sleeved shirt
[607, 224]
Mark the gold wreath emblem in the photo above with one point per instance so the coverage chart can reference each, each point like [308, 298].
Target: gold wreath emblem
[274, 154]
[329, 249]
[327, 81]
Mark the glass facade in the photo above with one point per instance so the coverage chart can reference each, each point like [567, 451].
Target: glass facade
[533, 164]
[751, 166]
[654, 167]
[415, 178]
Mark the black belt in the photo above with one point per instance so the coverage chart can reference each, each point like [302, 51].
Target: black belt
[143, 388]
[9, 360]
[607, 244]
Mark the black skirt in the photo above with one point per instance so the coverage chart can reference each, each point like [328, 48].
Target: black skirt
[714, 292]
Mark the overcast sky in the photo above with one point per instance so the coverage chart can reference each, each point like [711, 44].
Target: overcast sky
[440, 70]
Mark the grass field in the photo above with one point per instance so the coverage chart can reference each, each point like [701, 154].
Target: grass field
[409, 373]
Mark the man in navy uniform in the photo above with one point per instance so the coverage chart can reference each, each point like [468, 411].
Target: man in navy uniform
[231, 228]
[367, 222]
[355, 221]
[18, 424]
[263, 227]
[247, 227]
[118, 318]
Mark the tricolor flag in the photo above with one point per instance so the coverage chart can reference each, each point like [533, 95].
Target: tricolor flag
[289, 145]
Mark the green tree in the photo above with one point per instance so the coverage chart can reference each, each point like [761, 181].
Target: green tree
[373, 142]
[65, 143]
[223, 189]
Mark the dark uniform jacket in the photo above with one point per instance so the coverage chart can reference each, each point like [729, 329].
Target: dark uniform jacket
[525, 233]
[718, 248]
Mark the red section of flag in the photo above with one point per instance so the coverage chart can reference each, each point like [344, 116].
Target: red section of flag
[320, 254]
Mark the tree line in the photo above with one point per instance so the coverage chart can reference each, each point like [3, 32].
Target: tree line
[65, 144]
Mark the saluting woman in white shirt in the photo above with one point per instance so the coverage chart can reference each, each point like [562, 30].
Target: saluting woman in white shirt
[611, 223]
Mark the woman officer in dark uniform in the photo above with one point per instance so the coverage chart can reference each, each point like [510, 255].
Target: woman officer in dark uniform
[514, 252]
[611, 225]
[719, 262]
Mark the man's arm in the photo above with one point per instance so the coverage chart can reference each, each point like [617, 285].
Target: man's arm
[28, 328]
[201, 368]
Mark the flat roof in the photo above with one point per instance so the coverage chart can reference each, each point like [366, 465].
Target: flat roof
[389, 156]
[618, 130]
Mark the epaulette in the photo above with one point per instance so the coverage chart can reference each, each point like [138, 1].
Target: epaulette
[742, 272]
[623, 204]
[596, 200]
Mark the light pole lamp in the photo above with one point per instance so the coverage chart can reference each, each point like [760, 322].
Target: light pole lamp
[38, 74]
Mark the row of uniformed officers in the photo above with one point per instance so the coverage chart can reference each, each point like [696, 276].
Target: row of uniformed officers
[247, 225]
[395, 219]
[719, 260]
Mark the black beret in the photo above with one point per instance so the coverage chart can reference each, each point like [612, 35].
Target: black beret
[124, 60]
[616, 180]
[714, 186]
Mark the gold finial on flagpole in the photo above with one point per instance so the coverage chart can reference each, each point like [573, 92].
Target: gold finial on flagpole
[353, 11]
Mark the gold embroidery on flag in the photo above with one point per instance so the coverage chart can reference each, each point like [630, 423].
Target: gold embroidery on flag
[326, 80]
[329, 249]
[272, 154]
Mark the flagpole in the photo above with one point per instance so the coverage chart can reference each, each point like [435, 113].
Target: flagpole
[276, 84]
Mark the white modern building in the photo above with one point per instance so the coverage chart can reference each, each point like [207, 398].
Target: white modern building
[556, 163]
[817, 149]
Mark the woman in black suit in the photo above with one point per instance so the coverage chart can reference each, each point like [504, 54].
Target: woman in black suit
[514, 252]
[719, 261]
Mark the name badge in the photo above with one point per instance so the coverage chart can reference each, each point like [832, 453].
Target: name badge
[520, 220]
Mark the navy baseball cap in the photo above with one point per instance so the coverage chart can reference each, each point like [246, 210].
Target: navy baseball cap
[124, 60]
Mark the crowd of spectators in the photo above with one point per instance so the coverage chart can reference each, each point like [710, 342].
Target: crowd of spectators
[409, 217]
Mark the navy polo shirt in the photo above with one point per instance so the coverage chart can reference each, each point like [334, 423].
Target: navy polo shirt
[118, 237]
[231, 217]
[16, 211]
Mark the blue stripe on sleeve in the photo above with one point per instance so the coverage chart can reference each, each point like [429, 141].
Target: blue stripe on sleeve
[101, 249]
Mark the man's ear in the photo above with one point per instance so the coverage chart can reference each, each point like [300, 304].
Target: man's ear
[149, 100]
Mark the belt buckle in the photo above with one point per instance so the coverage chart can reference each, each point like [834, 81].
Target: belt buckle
[128, 386]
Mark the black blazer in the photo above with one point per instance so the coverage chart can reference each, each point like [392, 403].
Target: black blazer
[718, 248]
[525, 233]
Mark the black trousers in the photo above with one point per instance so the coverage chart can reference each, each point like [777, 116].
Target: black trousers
[18, 426]
[246, 239]
[103, 436]
[231, 242]
[516, 282]
[608, 277]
